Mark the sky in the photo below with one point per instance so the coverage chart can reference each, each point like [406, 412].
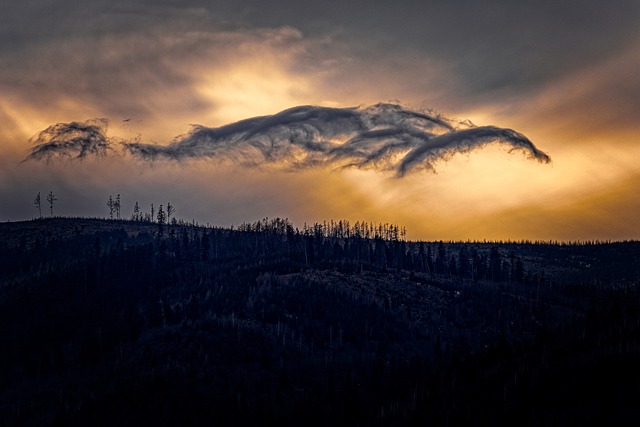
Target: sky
[460, 120]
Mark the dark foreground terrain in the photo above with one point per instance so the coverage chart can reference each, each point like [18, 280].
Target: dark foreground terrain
[135, 323]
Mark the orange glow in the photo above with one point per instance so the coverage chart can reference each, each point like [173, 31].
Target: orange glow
[589, 191]
[252, 87]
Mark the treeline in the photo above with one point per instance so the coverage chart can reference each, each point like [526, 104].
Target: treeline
[331, 244]
[335, 245]
[378, 247]
[342, 229]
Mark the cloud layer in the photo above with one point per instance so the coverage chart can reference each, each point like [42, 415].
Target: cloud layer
[381, 136]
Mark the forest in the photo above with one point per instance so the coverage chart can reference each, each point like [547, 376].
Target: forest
[141, 322]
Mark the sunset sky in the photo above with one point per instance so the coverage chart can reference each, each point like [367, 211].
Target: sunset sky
[563, 74]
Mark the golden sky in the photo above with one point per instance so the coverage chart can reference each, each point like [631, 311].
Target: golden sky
[569, 85]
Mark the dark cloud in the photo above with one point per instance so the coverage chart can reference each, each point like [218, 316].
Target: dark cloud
[383, 136]
[74, 140]
[494, 45]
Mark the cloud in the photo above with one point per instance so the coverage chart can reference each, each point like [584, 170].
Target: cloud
[464, 140]
[74, 140]
[381, 136]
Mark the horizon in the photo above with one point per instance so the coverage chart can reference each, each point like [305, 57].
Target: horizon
[309, 226]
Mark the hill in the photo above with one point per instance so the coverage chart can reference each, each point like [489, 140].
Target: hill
[136, 323]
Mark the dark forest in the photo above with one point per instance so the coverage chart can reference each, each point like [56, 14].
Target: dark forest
[133, 322]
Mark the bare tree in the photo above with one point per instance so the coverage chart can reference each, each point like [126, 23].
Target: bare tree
[38, 204]
[51, 198]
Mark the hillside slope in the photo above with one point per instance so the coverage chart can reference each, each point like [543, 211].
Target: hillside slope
[127, 323]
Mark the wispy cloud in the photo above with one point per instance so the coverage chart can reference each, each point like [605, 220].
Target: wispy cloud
[382, 136]
[465, 140]
[73, 140]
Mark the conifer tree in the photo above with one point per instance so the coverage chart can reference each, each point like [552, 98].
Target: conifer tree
[161, 216]
[170, 212]
[117, 206]
[51, 198]
[136, 212]
[38, 204]
[111, 205]
[464, 265]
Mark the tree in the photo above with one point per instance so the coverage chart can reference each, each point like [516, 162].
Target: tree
[453, 265]
[516, 268]
[136, 212]
[464, 266]
[51, 198]
[161, 220]
[429, 256]
[38, 204]
[111, 205]
[117, 206]
[495, 264]
[161, 216]
[441, 258]
[170, 211]
[204, 246]
[477, 271]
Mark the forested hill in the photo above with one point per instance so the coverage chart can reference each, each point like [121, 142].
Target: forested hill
[133, 323]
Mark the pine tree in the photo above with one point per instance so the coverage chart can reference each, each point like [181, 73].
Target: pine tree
[161, 216]
[464, 266]
[51, 198]
[453, 265]
[495, 265]
[441, 258]
[38, 204]
[117, 206]
[170, 212]
[111, 205]
[136, 212]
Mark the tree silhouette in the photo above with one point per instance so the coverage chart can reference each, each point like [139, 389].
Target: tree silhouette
[136, 212]
[111, 205]
[464, 266]
[161, 216]
[38, 204]
[170, 211]
[51, 198]
[495, 264]
[161, 220]
[117, 206]
[441, 258]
